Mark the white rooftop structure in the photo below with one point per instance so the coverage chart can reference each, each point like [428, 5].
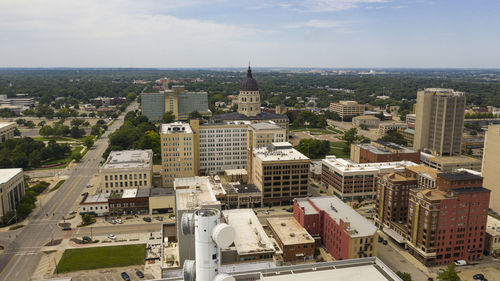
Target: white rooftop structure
[345, 166]
[6, 124]
[97, 198]
[278, 151]
[194, 192]
[129, 193]
[338, 210]
[7, 174]
[250, 236]
[175, 128]
[126, 159]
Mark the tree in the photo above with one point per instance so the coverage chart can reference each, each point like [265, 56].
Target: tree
[131, 97]
[35, 158]
[88, 141]
[87, 219]
[30, 124]
[76, 122]
[20, 160]
[95, 130]
[46, 131]
[92, 114]
[395, 137]
[42, 123]
[17, 132]
[76, 155]
[450, 274]
[350, 136]
[77, 132]
[404, 276]
[194, 115]
[168, 117]
[312, 148]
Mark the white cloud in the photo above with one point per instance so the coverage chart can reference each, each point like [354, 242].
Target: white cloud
[315, 23]
[336, 5]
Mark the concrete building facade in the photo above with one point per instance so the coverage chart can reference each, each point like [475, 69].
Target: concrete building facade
[7, 131]
[450, 163]
[126, 169]
[440, 120]
[179, 152]
[491, 165]
[12, 189]
[369, 121]
[492, 244]
[347, 108]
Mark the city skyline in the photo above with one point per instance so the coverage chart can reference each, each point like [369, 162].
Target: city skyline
[312, 33]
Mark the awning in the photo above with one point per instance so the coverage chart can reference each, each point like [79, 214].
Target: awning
[394, 235]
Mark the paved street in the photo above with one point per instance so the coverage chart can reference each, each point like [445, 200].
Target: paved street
[21, 256]
[392, 258]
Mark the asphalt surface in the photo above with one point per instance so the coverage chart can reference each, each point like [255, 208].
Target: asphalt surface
[117, 229]
[22, 254]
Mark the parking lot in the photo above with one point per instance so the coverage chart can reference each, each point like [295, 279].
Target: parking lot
[110, 275]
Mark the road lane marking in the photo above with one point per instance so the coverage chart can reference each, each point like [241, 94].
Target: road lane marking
[67, 194]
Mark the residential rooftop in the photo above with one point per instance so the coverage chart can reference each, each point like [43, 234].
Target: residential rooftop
[176, 128]
[379, 147]
[129, 193]
[250, 237]
[7, 174]
[278, 151]
[338, 210]
[129, 159]
[348, 166]
[423, 169]
[459, 176]
[289, 231]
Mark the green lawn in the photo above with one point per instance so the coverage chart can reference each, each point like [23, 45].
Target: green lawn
[65, 160]
[58, 184]
[313, 131]
[337, 149]
[102, 257]
[53, 138]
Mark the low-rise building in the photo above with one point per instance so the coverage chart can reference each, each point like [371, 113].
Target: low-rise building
[378, 151]
[126, 169]
[368, 121]
[179, 152]
[492, 244]
[130, 202]
[347, 179]
[242, 196]
[383, 128]
[451, 163]
[347, 108]
[411, 120]
[408, 134]
[251, 242]
[344, 232]
[295, 242]
[281, 173]
[162, 201]
[11, 189]
[7, 131]
[95, 205]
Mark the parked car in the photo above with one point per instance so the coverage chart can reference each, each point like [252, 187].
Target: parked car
[119, 221]
[384, 242]
[89, 185]
[380, 239]
[111, 236]
[66, 228]
[139, 274]
[430, 279]
[125, 276]
[460, 262]
[112, 221]
[478, 276]
[147, 219]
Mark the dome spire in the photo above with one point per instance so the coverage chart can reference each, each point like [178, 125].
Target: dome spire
[249, 71]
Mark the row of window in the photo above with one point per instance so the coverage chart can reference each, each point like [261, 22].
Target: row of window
[125, 176]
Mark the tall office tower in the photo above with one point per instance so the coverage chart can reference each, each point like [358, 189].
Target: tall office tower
[179, 152]
[491, 165]
[440, 121]
[249, 97]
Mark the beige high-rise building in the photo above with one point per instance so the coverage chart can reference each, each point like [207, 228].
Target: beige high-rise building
[491, 165]
[179, 152]
[440, 121]
[249, 97]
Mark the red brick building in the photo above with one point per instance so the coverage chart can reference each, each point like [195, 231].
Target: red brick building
[345, 233]
[448, 223]
[378, 151]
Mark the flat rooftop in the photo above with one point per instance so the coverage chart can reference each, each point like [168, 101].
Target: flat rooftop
[281, 151]
[433, 194]
[161, 191]
[129, 159]
[265, 126]
[235, 172]
[250, 235]
[246, 188]
[199, 192]
[97, 198]
[423, 169]
[385, 148]
[365, 117]
[493, 226]
[339, 210]
[452, 159]
[176, 128]
[289, 231]
[129, 193]
[348, 166]
[6, 124]
[7, 174]
[459, 176]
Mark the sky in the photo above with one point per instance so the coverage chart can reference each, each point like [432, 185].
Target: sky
[268, 33]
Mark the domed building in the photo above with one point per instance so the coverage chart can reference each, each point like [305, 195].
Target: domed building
[249, 106]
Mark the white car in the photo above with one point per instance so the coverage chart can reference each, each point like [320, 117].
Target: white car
[112, 236]
[119, 221]
[460, 262]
